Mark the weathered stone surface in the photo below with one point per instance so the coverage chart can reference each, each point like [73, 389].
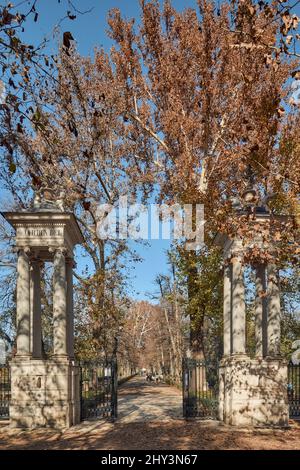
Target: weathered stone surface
[44, 394]
[253, 392]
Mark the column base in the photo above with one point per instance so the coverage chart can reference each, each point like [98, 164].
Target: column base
[253, 392]
[44, 393]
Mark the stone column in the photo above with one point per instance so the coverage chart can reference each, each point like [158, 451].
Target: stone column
[273, 326]
[260, 312]
[70, 310]
[36, 311]
[59, 304]
[238, 308]
[23, 304]
[227, 310]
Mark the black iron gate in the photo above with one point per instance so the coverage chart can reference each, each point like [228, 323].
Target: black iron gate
[4, 391]
[294, 390]
[98, 387]
[200, 389]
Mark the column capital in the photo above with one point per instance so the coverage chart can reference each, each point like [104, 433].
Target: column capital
[58, 250]
[23, 249]
[237, 258]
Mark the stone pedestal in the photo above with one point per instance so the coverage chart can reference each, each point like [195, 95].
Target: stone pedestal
[44, 393]
[253, 392]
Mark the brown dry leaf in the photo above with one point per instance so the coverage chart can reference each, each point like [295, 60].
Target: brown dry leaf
[295, 21]
[277, 236]
[296, 74]
[280, 111]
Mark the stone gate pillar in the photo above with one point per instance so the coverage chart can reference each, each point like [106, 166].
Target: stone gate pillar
[70, 313]
[273, 319]
[227, 311]
[59, 304]
[44, 389]
[23, 303]
[253, 390]
[260, 311]
[238, 329]
[35, 309]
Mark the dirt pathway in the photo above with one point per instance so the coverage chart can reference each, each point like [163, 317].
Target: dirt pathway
[150, 419]
[141, 401]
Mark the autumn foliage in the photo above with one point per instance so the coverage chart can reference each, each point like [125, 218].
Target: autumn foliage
[195, 106]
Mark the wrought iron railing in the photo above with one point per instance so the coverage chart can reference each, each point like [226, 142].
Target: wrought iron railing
[293, 389]
[200, 389]
[98, 388]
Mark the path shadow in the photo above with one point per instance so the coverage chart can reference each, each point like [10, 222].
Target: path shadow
[179, 435]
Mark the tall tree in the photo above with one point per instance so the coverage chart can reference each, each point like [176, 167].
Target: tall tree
[209, 87]
[196, 104]
[69, 137]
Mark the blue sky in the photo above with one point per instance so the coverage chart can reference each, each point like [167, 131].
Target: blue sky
[89, 30]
